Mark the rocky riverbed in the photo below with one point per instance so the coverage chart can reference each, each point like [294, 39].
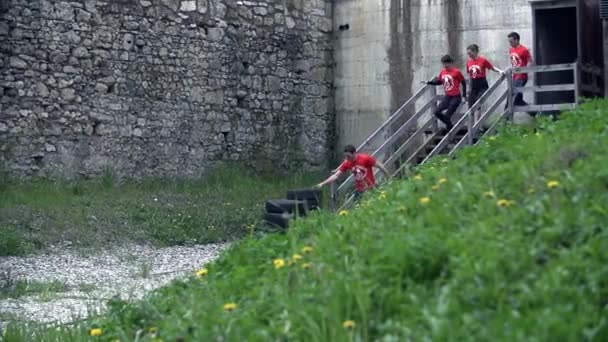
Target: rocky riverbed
[71, 284]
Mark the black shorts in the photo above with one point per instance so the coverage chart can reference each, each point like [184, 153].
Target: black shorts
[478, 87]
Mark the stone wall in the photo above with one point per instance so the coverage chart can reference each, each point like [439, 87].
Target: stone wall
[164, 87]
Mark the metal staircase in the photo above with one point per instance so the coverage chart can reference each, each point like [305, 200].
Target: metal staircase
[411, 136]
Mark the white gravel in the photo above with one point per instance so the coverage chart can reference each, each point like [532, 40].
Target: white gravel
[129, 272]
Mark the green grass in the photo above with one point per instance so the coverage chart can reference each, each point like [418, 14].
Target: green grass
[225, 205]
[458, 268]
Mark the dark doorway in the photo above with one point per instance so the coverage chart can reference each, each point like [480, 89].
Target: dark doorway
[556, 42]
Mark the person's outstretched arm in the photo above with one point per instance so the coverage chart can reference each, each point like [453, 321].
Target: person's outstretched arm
[435, 81]
[498, 70]
[331, 179]
[383, 169]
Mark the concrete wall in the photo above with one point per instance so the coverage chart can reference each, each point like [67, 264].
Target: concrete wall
[392, 45]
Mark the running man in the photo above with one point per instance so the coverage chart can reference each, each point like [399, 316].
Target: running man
[362, 167]
[477, 67]
[520, 57]
[451, 78]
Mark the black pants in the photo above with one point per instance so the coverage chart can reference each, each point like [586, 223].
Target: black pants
[449, 104]
[478, 87]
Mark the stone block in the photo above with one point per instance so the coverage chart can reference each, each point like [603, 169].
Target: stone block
[81, 52]
[17, 63]
[188, 6]
[42, 90]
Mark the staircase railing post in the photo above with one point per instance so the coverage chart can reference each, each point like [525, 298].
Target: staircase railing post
[470, 127]
[334, 196]
[577, 88]
[433, 92]
[511, 98]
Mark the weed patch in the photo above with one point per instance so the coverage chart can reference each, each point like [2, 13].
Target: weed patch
[226, 204]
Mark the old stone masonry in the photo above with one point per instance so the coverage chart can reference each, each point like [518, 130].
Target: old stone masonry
[163, 87]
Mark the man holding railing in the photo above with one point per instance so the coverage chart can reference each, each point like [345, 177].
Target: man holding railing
[520, 57]
[362, 167]
[452, 80]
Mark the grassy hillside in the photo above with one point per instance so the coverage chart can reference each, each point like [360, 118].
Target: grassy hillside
[224, 205]
[507, 242]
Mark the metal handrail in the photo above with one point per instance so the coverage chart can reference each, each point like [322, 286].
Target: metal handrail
[466, 119]
[408, 123]
[393, 116]
[468, 116]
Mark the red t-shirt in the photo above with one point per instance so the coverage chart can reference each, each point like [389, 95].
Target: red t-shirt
[477, 67]
[520, 57]
[451, 79]
[362, 169]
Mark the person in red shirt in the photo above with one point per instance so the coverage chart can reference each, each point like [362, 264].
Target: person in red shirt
[476, 67]
[520, 57]
[452, 80]
[362, 167]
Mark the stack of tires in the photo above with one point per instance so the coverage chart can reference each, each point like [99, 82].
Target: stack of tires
[279, 212]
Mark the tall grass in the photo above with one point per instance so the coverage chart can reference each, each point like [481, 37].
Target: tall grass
[224, 205]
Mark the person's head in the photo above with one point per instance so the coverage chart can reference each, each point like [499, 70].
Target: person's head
[350, 152]
[447, 61]
[513, 39]
[473, 50]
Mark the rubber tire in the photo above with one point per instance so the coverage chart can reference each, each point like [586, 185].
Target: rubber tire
[280, 206]
[277, 220]
[314, 198]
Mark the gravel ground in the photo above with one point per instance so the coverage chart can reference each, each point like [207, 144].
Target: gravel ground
[128, 271]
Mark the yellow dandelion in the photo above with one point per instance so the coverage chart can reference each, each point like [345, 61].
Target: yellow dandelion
[96, 332]
[343, 212]
[306, 265]
[435, 187]
[153, 330]
[445, 160]
[382, 196]
[296, 257]
[349, 324]
[230, 306]
[425, 200]
[307, 249]
[279, 263]
[202, 272]
[443, 180]
[505, 203]
[418, 177]
[531, 191]
[489, 194]
[538, 134]
[492, 138]
[552, 184]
